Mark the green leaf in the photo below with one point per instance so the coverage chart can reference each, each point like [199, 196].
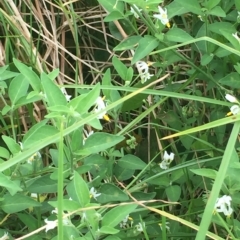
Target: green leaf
[53, 93]
[177, 35]
[128, 43]
[106, 81]
[38, 132]
[11, 186]
[218, 27]
[120, 67]
[206, 59]
[82, 103]
[43, 184]
[113, 217]
[231, 80]
[131, 162]
[112, 237]
[29, 221]
[53, 74]
[18, 88]
[78, 190]
[17, 203]
[4, 153]
[98, 142]
[29, 74]
[6, 109]
[129, 74]
[175, 9]
[108, 230]
[111, 193]
[192, 6]
[114, 15]
[11, 144]
[112, 5]
[204, 172]
[217, 11]
[146, 46]
[173, 193]
[123, 174]
[211, 3]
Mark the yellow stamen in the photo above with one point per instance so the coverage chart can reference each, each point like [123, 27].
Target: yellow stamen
[168, 25]
[106, 118]
[229, 114]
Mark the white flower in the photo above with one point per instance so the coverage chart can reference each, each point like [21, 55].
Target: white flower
[123, 223]
[166, 226]
[235, 35]
[65, 94]
[34, 195]
[231, 98]
[34, 157]
[134, 12]
[93, 193]
[84, 217]
[235, 109]
[167, 159]
[87, 134]
[162, 16]
[5, 236]
[100, 105]
[143, 71]
[50, 224]
[55, 211]
[140, 226]
[223, 204]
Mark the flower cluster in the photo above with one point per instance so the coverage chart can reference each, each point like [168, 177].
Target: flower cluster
[223, 205]
[167, 159]
[235, 109]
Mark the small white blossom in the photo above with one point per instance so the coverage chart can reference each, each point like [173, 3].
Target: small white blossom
[134, 12]
[93, 193]
[86, 135]
[231, 98]
[140, 227]
[167, 159]
[34, 195]
[143, 71]
[223, 204]
[50, 225]
[55, 211]
[100, 105]
[84, 217]
[162, 16]
[235, 109]
[123, 223]
[235, 35]
[166, 226]
[34, 157]
[5, 236]
[65, 94]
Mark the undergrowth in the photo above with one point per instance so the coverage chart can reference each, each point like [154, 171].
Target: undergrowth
[115, 120]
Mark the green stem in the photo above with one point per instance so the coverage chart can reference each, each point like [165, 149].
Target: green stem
[206, 219]
[60, 183]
